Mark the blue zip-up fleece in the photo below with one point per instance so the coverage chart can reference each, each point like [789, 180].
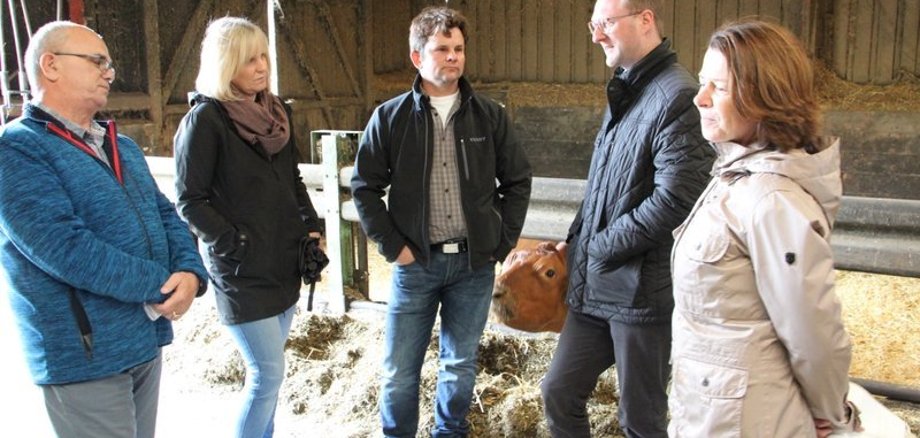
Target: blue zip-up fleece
[68, 224]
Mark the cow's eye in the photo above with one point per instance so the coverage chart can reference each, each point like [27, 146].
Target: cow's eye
[550, 273]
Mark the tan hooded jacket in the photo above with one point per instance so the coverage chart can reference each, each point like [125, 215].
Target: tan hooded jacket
[759, 347]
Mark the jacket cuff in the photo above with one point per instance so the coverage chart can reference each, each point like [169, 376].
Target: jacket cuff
[390, 250]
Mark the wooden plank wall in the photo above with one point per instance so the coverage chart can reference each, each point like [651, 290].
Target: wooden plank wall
[876, 40]
[548, 40]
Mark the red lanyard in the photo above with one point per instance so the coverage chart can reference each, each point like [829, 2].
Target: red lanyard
[80, 144]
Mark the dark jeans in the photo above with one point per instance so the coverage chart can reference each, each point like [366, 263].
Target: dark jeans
[587, 347]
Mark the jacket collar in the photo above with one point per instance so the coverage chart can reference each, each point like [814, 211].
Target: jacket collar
[421, 99]
[626, 85]
[648, 67]
[39, 115]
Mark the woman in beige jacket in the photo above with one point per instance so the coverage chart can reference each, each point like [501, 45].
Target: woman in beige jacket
[759, 348]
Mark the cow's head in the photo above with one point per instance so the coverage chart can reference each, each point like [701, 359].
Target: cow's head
[529, 294]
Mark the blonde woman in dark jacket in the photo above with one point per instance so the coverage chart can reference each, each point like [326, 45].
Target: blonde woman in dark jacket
[240, 190]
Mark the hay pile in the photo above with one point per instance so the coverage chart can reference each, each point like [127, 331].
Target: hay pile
[332, 363]
[839, 94]
[834, 92]
[332, 380]
[882, 314]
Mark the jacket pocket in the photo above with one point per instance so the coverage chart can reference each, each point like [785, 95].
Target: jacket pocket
[618, 286]
[706, 399]
[232, 262]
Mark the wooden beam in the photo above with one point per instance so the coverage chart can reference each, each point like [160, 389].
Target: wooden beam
[326, 15]
[190, 38]
[174, 109]
[129, 102]
[300, 54]
[331, 102]
[154, 85]
[365, 50]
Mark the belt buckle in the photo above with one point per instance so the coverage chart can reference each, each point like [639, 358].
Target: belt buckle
[450, 248]
[456, 246]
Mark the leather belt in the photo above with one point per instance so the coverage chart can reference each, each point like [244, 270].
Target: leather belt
[452, 246]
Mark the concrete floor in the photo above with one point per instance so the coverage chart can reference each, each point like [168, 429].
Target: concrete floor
[181, 413]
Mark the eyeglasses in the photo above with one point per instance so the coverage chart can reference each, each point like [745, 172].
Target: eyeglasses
[606, 26]
[104, 64]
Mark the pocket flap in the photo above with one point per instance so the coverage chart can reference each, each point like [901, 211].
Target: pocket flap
[710, 380]
[706, 245]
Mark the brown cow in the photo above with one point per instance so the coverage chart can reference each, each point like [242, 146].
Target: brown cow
[529, 293]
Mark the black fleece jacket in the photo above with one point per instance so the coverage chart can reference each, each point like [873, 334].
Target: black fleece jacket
[395, 152]
[251, 209]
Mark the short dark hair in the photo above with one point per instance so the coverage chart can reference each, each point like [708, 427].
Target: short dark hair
[431, 20]
[655, 6]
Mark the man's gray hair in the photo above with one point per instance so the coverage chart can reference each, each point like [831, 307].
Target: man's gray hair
[48, 38]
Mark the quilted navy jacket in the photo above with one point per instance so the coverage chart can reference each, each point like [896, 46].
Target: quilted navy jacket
[650, 164]
[69, 222]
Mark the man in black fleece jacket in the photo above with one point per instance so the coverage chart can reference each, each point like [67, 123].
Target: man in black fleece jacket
[440, 149]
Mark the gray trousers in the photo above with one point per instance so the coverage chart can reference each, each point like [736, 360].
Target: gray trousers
[587, 347]
[119, 406]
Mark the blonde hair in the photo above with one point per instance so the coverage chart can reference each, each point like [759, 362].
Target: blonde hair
[228, 44]
[772, 82]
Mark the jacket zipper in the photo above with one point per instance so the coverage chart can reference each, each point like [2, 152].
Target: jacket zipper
[466, 162]
[466, 169]
[426, 176]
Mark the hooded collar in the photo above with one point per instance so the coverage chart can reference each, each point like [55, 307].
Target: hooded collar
[817, 173]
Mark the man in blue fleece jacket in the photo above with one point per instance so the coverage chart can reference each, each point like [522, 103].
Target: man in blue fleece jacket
[97, 261]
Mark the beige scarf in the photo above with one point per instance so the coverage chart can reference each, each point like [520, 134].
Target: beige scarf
[262, 122]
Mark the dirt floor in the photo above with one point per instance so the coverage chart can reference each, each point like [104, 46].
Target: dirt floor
[331, 388]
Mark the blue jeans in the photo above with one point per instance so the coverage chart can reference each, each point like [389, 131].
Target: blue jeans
[464, 297]
[261, 344]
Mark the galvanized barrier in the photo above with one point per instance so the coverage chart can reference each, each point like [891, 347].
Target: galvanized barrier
[871, 234]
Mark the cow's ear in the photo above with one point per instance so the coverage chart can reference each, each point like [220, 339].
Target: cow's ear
[562, 248]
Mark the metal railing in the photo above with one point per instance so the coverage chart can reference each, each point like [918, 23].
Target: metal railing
[871, 234]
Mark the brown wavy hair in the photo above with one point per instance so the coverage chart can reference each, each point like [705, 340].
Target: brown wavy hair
[772, 82]
[431, 20]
